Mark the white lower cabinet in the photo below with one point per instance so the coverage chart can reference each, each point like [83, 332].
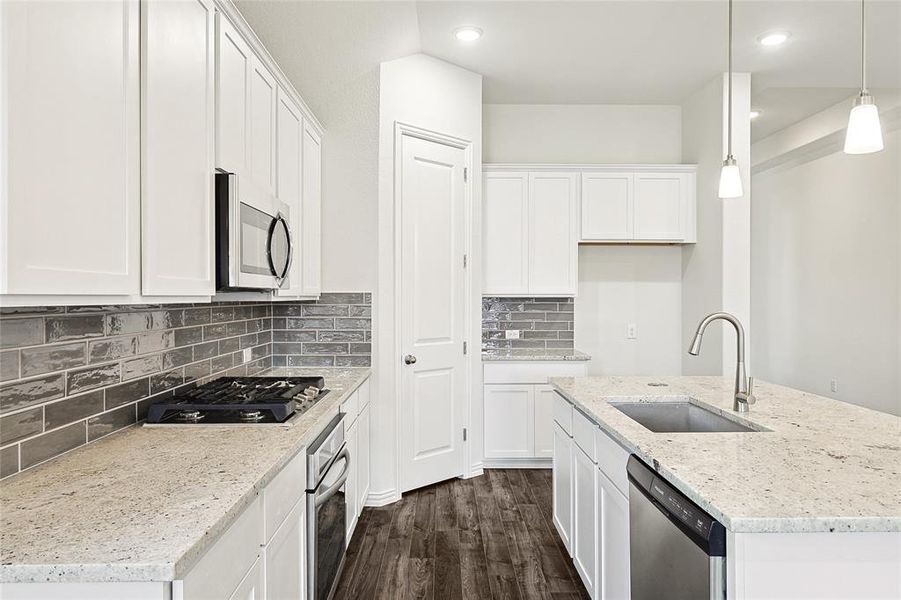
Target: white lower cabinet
[563, 485]
[356, 434]
[612, 581]
[285, 557]
[509, 421]
[584, 534]
[544, 420]
[251, 587]
[350, 486]
[363, 463]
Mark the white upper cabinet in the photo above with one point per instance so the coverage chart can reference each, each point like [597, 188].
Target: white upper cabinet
[505, 242]
[607, 210]
[553, 241]
[177, 123]
[289, 142]
[233, 61]
[530, 233]
[646, 204]
[70, 148]
[311, 210]
[260, 190]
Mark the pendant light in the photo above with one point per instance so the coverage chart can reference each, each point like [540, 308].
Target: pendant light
[730, 177]
[864, 134]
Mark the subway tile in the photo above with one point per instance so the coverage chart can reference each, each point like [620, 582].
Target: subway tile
[526, 343]
[92, 377]
[352, 323]
[325, 310]
[137, 322]
[255, 325]
[222, 313]
[279, 361]
[325, 348]
[164, 381]
[242, 313]
[206, 350]
[9, 461]
[177, 358]
[68, 327]
[294, 336]
[359, 311]
[299, 360]
[287, 348]
[542, 306]
[565, 335]
[287, 309]
[259, 352]
[247, 341]
[539, 335]
[341, 336]
[46, 359]
[197, 316]
[112, 348]
[15, 333]
[342, 298]
[155, 341]
[20, 425]
[9, 365]
[310, 323]
[111, 421]
[527, 316]
[19, 311]
[261, 310]
[139, 367]
[188, 336]
[560, 344]
[235, 328]
[353, 361]
[74, 408]
[51, 444]
[229, 345]
[198, 370]
[552, 326]
[28, 392]
[126, 393]
[221, 363]
[361, 348]
[214, 332]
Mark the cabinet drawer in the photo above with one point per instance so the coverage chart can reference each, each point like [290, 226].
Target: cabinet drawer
[612, 459]
[364, 394]
[351, 408]
[531, 372]
[563, 414]
[283, 492]
[584, 433]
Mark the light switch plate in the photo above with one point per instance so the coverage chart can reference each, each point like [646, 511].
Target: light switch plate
[511, 334]
[246, 355]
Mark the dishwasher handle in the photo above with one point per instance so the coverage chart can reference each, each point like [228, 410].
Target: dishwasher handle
[705, 531]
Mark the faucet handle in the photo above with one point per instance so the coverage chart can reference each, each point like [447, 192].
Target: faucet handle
[751, 398]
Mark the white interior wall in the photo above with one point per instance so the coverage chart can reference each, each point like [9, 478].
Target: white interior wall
[431, 94]
[826, 261]
[617, 285]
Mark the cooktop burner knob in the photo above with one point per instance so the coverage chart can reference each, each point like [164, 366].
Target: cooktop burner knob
[189, 416]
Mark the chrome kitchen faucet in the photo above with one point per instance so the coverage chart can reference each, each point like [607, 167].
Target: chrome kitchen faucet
[744, 386]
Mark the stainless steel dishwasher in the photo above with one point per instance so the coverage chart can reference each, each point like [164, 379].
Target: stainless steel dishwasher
[677, 551]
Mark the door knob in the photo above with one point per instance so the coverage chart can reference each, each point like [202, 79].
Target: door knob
[409, 359]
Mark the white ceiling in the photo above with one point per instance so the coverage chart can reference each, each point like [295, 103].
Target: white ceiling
[604, 52]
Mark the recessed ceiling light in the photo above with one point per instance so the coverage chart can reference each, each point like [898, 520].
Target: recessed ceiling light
[754, 114]
[467, 33]
[774, 38]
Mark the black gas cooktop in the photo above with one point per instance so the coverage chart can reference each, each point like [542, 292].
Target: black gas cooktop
[246, 400]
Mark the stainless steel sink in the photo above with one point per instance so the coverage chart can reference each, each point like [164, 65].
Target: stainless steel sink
[679, 417]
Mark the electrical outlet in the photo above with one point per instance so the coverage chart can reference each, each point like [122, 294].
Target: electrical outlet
[511, 334]
[631, 331]
[833, 385]
[246, 355]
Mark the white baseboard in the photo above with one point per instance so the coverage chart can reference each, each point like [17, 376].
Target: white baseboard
[475, 470]
[518, 463]
[382, 498]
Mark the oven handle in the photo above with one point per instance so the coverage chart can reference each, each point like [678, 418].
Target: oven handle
[331, 491]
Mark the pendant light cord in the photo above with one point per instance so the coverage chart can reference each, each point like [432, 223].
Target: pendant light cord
[729, 112]
[863, 47]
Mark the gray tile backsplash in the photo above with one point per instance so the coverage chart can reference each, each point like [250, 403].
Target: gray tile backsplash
[541, 322]
[335, 330]
[71, 375]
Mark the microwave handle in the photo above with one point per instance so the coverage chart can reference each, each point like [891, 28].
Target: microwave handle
[279, 278]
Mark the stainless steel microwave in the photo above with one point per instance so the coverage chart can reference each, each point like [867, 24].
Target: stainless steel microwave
[254, 245]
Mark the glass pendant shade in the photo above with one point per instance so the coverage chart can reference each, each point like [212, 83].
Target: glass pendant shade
[730, 180]
[864, 133]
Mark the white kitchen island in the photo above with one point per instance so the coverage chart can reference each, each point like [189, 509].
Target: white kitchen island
[811, 500]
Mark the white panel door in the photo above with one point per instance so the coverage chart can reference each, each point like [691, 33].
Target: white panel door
[553, 243]
[289, 142]
[251, 587]
[233, 62]
[543, 401]
[263, 92]
[584, 539]
[285, 557]
[311, 232]
[613, 542]
[363, 461]
[563, 486]
[70, 170]
[432, 208]
[659, 206]
[177, 128]
[509, 419]
[607, 206]
[505, 240]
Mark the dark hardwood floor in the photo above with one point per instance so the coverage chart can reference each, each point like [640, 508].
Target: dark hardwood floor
[486, 537]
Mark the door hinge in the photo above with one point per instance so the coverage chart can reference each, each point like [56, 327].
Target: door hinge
[465, 261]
[464, 434]
[465, 174]
[464, 347]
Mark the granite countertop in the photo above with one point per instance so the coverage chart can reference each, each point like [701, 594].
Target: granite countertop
[530, 354]
[144, 504]
[824, 466]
